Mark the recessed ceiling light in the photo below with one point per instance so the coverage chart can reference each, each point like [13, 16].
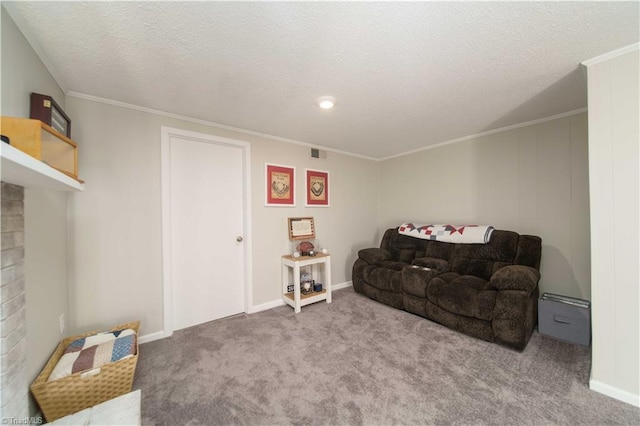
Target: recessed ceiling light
[326, 102]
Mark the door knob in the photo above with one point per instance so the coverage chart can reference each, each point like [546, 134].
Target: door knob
[239, 238]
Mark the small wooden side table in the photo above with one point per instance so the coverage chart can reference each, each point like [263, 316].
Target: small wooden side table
[296, 299]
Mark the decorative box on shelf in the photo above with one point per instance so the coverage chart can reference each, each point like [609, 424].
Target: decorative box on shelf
[45, 109]
[42, 142]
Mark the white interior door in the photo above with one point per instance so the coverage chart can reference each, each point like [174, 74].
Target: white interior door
[205, 185]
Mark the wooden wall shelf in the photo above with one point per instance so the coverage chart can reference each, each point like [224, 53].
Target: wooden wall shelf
[39, 156]
[22, 169]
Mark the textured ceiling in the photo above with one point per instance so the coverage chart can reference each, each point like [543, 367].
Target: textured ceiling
[405, 75]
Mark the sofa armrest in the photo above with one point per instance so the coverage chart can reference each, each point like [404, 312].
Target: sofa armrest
[515, 277]
[374, 256]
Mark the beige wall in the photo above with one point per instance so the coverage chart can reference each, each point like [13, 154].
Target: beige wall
[614, 154]
[115, 228]
[531, 180]
[45, 211]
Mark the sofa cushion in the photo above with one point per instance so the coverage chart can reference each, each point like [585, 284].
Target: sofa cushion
[404, 248]
[374, 256]
[415, 280]
[465, 295]
[383, 278]
[482, 260]
[389, 298]
[439, 250]
[396, 266]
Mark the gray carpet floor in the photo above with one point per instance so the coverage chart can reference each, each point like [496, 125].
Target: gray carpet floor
[358, 362]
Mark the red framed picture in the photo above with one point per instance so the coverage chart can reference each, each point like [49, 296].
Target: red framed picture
[280, 185]
[317, 188]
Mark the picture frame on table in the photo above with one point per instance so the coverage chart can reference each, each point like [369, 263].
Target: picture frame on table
[317, 188]
[301, 228]
[280, 185]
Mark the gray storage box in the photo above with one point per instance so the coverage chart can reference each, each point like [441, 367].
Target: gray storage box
[565, 318]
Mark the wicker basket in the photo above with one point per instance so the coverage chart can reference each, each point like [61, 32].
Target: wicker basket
[68, 395]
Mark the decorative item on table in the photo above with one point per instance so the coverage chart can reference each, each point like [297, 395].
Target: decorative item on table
[317, 287]
[296, 254]
[306, 282]
[290, 288]
[317, 247]
[306, 248]
[306, 287]
[325, 251]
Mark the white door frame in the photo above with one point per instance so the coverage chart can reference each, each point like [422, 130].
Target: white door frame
[165, 154]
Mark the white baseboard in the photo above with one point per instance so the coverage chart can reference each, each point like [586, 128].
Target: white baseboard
[252, 310]
[265, 306]
[341, 285]
[153, 336]
[614, 392]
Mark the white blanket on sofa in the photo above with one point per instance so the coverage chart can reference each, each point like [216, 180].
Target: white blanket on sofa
[465, 234]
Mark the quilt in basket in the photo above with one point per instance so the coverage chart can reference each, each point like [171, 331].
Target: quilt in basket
[95, 351]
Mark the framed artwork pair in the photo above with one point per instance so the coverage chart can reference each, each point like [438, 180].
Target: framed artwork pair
[280, 186]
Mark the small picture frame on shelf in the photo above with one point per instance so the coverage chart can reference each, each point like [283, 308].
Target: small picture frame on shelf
[306, 287]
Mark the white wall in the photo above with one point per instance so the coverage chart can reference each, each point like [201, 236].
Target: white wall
[532, 180]
[614, 161]
[45, 211]
[115, 230]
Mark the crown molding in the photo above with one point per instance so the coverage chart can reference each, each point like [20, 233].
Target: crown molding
[610, 55]
[490, 132]
[209, 123]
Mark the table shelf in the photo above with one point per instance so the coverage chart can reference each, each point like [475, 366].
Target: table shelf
[291, 295]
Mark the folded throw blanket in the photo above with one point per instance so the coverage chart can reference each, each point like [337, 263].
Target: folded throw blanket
[465, 234]
[95, 351]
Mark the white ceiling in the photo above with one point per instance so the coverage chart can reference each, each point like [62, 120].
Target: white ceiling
[405, 75]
